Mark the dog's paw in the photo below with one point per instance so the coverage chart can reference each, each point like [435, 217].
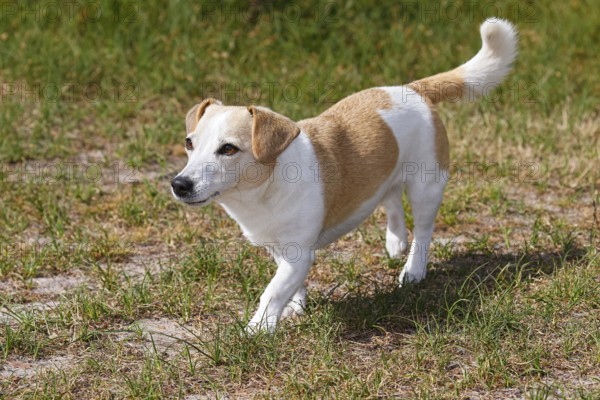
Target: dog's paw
[407, 278]
[293, 309]
[296, 305]
[255, 328]
[395, 247]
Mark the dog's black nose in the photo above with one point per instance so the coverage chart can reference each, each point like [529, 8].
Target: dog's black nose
[182, 186]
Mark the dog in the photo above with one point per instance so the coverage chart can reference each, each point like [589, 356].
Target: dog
[294, 187]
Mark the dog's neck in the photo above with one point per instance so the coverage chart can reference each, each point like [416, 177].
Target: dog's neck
[263, 212]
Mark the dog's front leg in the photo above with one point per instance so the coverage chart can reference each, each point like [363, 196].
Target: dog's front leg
[290, 276]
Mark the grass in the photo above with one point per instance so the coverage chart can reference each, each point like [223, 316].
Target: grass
[111, 289]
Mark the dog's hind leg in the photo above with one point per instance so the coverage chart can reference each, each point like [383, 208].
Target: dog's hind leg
[425, 198]
[396, 238]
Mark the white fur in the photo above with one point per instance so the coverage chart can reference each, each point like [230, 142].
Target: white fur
[419, 173]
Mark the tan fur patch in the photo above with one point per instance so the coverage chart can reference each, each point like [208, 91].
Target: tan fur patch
[240, 124]
[448, 85]
[356, 151]
[442, 152]
[271, 133]
[196, 112]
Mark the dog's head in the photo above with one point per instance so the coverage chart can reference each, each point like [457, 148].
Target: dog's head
[229, 148]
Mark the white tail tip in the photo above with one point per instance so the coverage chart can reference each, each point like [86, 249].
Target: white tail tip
[500, 36]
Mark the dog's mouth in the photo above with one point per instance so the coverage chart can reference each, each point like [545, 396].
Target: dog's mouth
[200, 202]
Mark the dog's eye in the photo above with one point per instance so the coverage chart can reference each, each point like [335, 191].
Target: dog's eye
[228, 150]
[188, 144]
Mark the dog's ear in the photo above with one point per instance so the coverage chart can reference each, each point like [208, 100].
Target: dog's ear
[271, 133]
[194, 115]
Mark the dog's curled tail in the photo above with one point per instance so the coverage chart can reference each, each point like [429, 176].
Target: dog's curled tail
[481, 73]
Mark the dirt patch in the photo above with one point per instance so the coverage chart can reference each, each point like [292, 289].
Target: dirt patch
[495, 394]
[57, 284]
[140, 265]
[24, 368]
[9, 313]
[165, 335]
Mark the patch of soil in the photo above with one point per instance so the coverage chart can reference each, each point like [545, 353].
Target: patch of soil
[166, 335]
[57, 284]
[26, 368]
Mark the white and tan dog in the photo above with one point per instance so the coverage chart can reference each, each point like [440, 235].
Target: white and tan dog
[296, 186]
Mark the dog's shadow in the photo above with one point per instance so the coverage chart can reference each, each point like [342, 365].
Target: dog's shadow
[450, 286]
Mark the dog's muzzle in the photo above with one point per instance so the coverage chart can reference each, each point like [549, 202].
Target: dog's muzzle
[184, 190]
[182, 186]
